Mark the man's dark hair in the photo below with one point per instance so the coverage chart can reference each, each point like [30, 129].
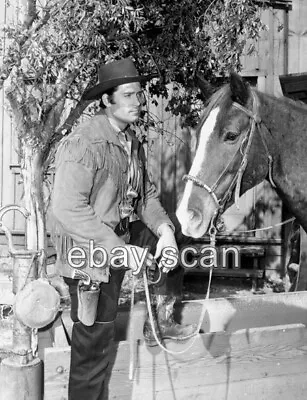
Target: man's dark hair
[109, 93]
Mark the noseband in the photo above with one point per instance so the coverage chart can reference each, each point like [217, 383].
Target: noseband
[237, 179]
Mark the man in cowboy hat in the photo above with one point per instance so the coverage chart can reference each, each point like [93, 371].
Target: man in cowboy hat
[100, 182]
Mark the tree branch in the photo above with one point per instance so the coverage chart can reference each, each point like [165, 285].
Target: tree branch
[28, 12]
[30, 5]
[12, 93]
[62, 84]
[65, 129]
[53, 119]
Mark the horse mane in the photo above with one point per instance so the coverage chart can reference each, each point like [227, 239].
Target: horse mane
[215, 98]
[221, 95]
[299, 104]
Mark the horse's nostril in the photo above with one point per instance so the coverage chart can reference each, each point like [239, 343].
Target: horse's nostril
[194, 215]
[190, 215]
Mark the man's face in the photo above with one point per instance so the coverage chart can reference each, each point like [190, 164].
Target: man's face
[126, 105]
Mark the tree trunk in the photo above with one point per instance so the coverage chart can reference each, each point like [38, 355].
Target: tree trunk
[35, 234]
[32, 173]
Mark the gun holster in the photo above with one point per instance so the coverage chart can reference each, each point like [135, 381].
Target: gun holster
[88, 295]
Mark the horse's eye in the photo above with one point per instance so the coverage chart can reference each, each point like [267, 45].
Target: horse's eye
[231, 136]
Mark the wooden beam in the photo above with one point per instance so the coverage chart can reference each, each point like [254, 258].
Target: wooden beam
[234, 313]
[222, 314]
[279, 4]
[286, 40]
[238, 239]
[302, 275]
[229, 272]
[268, 363]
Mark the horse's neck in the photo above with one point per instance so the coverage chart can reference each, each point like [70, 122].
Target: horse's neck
[286, 122]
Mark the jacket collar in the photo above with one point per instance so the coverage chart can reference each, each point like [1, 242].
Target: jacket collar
[110, 133]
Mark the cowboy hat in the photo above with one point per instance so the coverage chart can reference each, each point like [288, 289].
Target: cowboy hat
[114, 74]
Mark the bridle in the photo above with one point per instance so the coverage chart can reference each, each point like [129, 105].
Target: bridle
[255, 121]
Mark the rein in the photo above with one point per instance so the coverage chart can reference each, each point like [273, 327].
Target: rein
[237, 179]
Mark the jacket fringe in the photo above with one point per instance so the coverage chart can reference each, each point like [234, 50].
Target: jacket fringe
[93, 156]
[78, 149]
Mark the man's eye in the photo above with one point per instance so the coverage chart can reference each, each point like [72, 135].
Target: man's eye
[141, 98]
[231, 136]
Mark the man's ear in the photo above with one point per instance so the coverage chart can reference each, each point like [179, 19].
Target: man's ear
[105, 100]
[240, 90]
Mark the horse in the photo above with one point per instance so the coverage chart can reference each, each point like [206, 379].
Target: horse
[244, 137]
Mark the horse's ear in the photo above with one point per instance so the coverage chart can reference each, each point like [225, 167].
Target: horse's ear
[205, 86]
[239, 89]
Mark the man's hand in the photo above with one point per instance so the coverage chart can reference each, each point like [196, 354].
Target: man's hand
[167, 248]
[138, 258]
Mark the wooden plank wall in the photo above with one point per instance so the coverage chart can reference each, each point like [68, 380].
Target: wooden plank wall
[10, 189]
[169, 153]
[297, 54]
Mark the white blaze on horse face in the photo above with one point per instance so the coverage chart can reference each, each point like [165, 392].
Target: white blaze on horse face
[184, 215]
[205, 134]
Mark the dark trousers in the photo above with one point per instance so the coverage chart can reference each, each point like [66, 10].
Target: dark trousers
[90, 346]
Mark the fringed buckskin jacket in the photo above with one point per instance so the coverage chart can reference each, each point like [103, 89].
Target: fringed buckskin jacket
[90, 184]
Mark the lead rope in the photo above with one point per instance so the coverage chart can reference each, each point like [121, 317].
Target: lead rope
[203, 311]
[152, 323]
[131, 331]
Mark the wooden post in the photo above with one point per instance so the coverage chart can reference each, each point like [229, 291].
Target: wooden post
[302, 277]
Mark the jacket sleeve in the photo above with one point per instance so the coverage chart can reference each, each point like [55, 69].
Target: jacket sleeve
[150, 210]
[71, 209]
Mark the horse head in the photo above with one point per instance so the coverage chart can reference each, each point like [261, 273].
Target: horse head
[230, 157]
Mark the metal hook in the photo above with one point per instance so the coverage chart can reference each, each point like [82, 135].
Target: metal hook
[8, 234]
[212, 230]
[14, 207]
[150, 274]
